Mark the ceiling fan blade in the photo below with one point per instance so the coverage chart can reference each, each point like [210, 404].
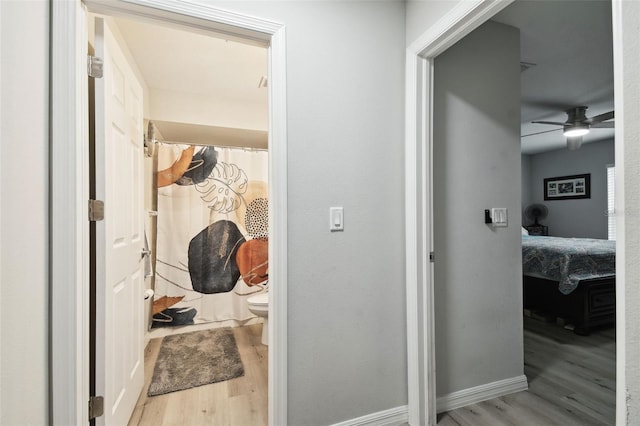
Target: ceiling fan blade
[573, 143]
[602, 117]
[555, 123]
[539, 133]
[607, 125]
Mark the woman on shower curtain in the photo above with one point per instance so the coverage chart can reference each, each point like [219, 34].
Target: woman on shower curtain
[212, 244]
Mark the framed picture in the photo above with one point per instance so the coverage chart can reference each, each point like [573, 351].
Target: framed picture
[567, 187]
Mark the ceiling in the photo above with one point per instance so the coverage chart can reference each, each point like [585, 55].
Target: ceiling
[570, 43]
[206, 65]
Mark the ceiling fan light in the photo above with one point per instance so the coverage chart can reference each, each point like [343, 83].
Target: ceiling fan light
[574, 143]
[576, 130]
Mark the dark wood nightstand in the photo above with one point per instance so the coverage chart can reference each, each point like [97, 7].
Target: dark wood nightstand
[537, 230]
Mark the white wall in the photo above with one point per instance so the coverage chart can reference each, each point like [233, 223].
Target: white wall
[478, 267]
[23, 215]
[584, 218]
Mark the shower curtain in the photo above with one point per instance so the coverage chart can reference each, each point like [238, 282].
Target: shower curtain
[213, 229]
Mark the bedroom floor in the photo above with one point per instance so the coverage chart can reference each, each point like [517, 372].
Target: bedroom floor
[240, 401]
[571, 382]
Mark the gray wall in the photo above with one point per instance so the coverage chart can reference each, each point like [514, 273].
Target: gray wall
[573, 218]
[23, 134]
[422, 14]
[478, 268]
[346, 290]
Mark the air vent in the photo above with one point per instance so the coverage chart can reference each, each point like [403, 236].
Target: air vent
[526, 65]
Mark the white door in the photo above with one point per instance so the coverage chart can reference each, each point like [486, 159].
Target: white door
[119, 241]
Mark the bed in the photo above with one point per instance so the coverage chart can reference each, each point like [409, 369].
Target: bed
[570, 278]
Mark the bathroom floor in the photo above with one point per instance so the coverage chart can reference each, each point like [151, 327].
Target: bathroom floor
[241, 401]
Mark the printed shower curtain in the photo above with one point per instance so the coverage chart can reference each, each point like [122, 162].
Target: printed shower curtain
[213, 229]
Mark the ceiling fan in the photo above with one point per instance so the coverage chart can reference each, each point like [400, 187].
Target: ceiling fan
[578, 125]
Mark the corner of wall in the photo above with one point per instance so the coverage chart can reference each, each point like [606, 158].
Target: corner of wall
[526, 183]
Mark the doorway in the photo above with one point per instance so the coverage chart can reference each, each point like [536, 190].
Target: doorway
[70, 356]
[202, 98]
[420, 121]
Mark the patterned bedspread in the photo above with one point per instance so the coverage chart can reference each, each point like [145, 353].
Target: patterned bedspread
[568, 260]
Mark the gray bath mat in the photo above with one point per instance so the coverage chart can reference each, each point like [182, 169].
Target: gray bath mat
[195, 359]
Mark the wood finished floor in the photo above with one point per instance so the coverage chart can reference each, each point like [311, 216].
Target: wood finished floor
[236, 402]
[571, 382]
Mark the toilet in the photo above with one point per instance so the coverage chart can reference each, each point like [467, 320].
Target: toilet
[259, 305]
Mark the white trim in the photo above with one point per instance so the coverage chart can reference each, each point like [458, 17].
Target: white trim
[277, 386]
[1, 239]
[482, 393]
[611, 199]
[460, 21]
[626, 59]
[69, 236]
[465, 17]
[69, 180]
[195, 15]
[421, 362]
[414, 367]
[391, 417]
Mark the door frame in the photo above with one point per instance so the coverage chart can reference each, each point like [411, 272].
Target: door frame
[452, 27]
[420, 55]
[69, 189]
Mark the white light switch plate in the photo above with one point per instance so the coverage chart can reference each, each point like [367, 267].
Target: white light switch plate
[336, 219]
[499, 216]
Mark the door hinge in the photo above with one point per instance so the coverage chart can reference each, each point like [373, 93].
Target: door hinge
[94, 66]
[96, 210]
[96, 407]
[431, 256]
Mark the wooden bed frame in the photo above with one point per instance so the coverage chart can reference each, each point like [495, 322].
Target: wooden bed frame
[591, 304]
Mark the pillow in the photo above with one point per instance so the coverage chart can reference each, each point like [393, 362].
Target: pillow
[524, 231]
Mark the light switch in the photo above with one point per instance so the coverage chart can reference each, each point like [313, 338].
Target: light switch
[336, 219]
[499, 216]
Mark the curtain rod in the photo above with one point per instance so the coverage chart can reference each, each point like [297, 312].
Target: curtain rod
[246, 148]
[150, 137]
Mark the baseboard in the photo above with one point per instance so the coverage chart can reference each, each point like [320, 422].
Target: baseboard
[481, 393]
[168, 331]
[391, 417]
